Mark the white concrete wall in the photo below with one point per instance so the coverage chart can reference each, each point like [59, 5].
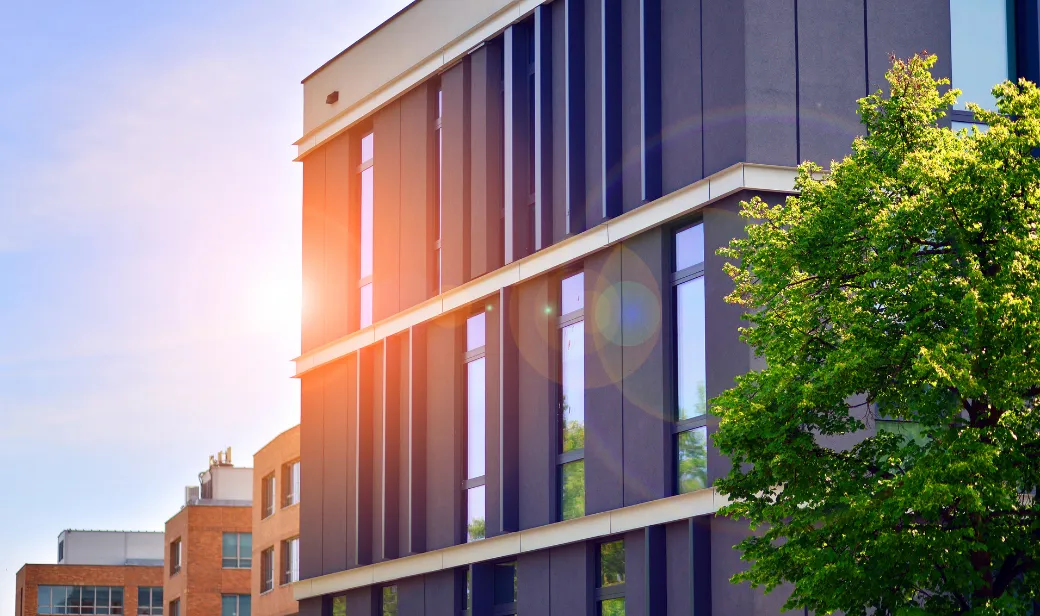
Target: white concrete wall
[110, 547]
[231, 483]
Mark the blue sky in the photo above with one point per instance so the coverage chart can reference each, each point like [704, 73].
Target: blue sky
[149, 249]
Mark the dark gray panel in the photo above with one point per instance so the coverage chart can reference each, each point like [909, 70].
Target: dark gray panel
[334, 473]
[537, 386]
[903, 29]
[533, 580]
[594, 178]
[543, 119]
[442, 594]
[771, 64]
[678, 575]
[455, 131]
[386, 258]
[611, 84]
[311, 469]
[367, 408]
[570, 589]
[728, 598]
[517, 146]
[312, 606]
[646, 335]
[722, 37]
[376, 502]
[604, 450]
[340, 250]
[393, 348]
[630, 174]
[681, 93]
[405, 462]
[575, 24]
[493, 404]
[635, 574]
[417, 260]
[701, 564]
[444, 445]
[353, 398]
[313, 262]
[411, 596]
[827, 119]
[487, 191]
[364, 601]
[559, 120]
[503, 404]
[417, 396]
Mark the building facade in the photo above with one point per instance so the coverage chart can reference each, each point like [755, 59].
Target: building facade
[514, 308]
[98, 572]
[209, 548]
[276, 525]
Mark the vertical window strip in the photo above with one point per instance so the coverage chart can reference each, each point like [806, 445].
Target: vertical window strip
[691, 433]
[439, 246]
[366, 171]
[571, 416]
[476, 430]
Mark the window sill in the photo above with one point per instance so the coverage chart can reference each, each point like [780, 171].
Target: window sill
[291, 505]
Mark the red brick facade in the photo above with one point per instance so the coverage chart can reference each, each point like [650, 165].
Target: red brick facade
[202, 578]
[130, 578]
[271, 531]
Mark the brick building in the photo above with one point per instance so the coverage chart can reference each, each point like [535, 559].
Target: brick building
[105, 572]
[276, 525]
[208, 546]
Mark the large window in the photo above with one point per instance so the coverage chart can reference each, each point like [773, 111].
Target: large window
[389, 601]
[610, 579]
[438, 247]
[267, 498]
[291, 483]
[267, 570]
[691, 437]
[982, 49]
[291, 560]
[475, 427]
[150, 601]
[175, 556]
[236, 605]
[367, 172]
[238, 550]
[79, 600]
[571, 458]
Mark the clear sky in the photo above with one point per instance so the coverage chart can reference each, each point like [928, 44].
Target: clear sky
[149, 249]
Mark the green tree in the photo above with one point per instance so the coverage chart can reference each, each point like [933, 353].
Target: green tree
[904, 281]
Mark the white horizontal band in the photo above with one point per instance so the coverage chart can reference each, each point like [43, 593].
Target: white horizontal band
[660, 511]
[742, 176]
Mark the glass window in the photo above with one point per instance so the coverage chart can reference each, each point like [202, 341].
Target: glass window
[175, 556]
[390, 601]
[692, 373]
[959, 126]
[572, 387]
[236, 605]
[366, 305]
[267, 570]
[980, 54]
[175, 607]
[104, 600]
[572, 481]
[238, 550]
[440, 189]
[476, 527]
[475, 418]
[339, 606]
[476, 327]
[572, 294]
[692, 448]
[291, 560]
[367, 214]
[505, 583]
[612, 607]
[367, 147]
[291, 481]
[611, 564]
[267, 487]
[689, 247]
[150, 601]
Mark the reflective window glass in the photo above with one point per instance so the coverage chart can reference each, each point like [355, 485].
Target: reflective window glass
[572, 293]
[979, 49]
[612, 607]
[611, 564]
[475, 418]
[390, 601]
[692, 371]
[475, 520]
[572, 385]
[367, 213]
[339, 606]
[692, 447]
[368, 147]
[505, 583]
[475, 331]
[689, 247]
[572, 482]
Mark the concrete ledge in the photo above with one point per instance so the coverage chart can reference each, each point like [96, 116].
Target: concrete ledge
[741, 176]
[660, 511]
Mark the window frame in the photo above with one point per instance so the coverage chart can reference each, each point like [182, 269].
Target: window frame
[290, 569]
[268, 495]
[614, 591]
[175, 607]
[291, 481]
[176, 556]
[367, 280]
[564, 321]
[469, 357]
[239, 557]
[238, 602]
[267, 570]
[112, 605]
[438, 129]
[151, 607]
[678, 278]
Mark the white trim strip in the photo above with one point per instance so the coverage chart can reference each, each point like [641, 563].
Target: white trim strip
[742, 176]
[660, 511]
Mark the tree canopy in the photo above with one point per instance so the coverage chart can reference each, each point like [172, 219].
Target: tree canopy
[889, 452]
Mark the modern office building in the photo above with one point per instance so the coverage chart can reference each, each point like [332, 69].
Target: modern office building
[514, 309]
[208, 545]
[276, 525]
[98, 572]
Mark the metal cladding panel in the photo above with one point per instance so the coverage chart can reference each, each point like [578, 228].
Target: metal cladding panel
[635, 574]
[827, 120]
[313, 331]
[537, 391]
[631, 113]
[455, 176]
[418, 223]
[729, 598]
[311, 465]
[533, 580]
[442, 594]
[722, 85]
[377, 504]
[487, 189]
[679, 578]
[386, 217]
[364, 601]
[517, 146]
[494, 432]
[772, 82]
[340, 289]
[728, 357]
[411, 596]
[312, 606]
[444, 444]
[416, 463]
[611, 83]
[559, 119]
[594, 177]
[604, 369]
[394, 347]
[646, 332]
[334, 477]
[570, 585]
[353, 398]
[681, 122]
[903, 29]
[362, 534]
[403, 343]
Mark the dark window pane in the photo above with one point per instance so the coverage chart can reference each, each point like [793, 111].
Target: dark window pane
[572, 486]
[692, 447]
[475, 521]
[572, 385]
[475, 418]
[245, 605]
[339, 606]
[979, 49]
[689, 247]
[505, 583]
[572, 293]
[611, 564]
[230, 545]
[612, 607]
[692, 370]
[389, 601]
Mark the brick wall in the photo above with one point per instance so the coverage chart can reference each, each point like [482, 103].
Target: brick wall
[202, 579]
[129, 577]
[282, 525]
